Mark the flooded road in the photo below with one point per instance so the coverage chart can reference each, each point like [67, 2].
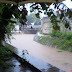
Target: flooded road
[62, 60]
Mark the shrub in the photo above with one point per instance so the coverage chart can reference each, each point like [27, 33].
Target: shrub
[5, 54]
[62, 40]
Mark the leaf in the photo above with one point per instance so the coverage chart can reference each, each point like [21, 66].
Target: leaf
[36, 7]
[37, 15]
[10, 21]
[33, 5]
[62, 15]
[1, 10]
[43, 5]
[48, 4]
[40, 11]
[60, 51]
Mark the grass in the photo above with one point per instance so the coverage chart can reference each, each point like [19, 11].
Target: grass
[61, 40]
[70, 50]
[40, 32]
[5, 54]
[59, 50]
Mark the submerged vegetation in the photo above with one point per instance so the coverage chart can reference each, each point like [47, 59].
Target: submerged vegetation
[5, 55]
[61, 40]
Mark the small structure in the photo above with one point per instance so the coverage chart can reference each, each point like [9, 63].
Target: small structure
[46, 25]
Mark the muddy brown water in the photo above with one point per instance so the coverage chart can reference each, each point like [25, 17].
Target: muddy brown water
[62, 60]
[35, 64]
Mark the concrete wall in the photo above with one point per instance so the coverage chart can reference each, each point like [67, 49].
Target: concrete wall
[46, 25]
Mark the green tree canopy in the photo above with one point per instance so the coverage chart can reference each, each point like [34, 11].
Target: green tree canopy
[66, 13]
[6, 23]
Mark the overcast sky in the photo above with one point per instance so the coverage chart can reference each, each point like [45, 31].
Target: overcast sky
[68, 3]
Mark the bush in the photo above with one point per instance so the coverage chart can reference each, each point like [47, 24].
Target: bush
[5, 54]
[66, 35]
[55, 33]
[62, 40]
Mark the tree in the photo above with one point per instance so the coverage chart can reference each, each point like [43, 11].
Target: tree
[6, 24]
[65, 13]
[22, 18]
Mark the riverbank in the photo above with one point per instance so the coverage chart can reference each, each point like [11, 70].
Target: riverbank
[5, 55]
[61, 60]
[60, 40]
[9, 62]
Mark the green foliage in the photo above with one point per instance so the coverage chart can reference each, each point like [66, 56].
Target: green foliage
[3, 65]
[31, 27]
[5, 54]
[71, 50]
[7, 11]
[22, 17]
[49, 12]
[59, 50]
[40, 32]
[55, 33]
[37, 15]
[55, 18]
[43, 5]
[58, 39]
[65, 35]
[10, 27]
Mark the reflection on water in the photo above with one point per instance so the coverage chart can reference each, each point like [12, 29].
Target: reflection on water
[54, 69]
[39, 64]
[17, 67]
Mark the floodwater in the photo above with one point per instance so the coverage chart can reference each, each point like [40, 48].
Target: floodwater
[62, 60]
[16, 66]
[36, 65]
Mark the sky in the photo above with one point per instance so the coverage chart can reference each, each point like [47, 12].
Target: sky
[68, 3]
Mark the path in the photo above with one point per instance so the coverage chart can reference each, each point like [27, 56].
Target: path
[62, 60]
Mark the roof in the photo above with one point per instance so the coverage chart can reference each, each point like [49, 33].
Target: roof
[21, 2]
